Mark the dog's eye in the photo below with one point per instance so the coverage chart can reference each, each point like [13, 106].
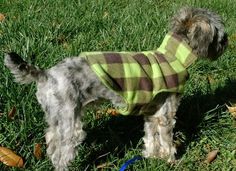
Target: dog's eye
[23, 66]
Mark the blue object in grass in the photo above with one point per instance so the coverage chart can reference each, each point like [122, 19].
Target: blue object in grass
[129, 162]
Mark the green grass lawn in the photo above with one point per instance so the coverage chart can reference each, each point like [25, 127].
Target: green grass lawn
[46, 31]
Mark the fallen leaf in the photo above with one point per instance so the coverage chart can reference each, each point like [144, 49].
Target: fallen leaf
[2, 17]
[109, 111]
[112, 112]
[12, 112]
[232, 110]
[38, 151]
[211, 156]
[9, 158]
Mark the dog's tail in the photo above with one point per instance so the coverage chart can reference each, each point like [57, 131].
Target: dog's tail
[24, 73]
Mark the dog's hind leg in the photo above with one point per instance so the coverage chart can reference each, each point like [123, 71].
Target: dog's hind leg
[63, 115]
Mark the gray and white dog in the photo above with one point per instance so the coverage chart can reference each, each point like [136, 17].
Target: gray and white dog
[65, 88]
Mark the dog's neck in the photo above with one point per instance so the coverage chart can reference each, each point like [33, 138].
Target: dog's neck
[173, 46]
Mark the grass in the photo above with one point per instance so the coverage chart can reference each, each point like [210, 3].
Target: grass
[44, 32]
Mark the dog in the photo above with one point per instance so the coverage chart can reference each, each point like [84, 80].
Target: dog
[65, 88]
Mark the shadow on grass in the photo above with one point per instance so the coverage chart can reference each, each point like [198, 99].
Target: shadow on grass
[117, 134]
[111, 138]
[192, 111]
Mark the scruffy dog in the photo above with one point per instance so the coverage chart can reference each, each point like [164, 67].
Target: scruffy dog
[148, 83]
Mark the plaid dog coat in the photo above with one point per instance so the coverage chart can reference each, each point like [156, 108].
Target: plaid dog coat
[140, 76]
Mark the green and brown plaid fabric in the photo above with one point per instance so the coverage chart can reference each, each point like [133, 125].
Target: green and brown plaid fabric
[140, 76]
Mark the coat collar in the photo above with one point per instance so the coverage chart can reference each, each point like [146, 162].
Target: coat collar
[173, 46]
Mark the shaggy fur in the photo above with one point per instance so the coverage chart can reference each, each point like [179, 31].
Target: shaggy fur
[65, 88]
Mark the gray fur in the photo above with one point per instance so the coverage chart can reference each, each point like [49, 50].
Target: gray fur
[65, 88]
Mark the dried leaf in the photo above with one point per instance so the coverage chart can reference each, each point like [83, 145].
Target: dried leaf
[109, 111]
[232, 110]
[9, 158]
[2, 17]
[211, 156]
[112, 112]
[38, 151]
[12, 112]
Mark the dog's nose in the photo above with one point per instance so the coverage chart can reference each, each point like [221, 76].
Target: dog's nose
[224, 41]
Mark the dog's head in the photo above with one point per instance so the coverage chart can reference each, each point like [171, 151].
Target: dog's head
[203, 30]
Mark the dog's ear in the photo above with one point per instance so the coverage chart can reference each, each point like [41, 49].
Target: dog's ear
[194, 27]
[181, 22]
[200, 35]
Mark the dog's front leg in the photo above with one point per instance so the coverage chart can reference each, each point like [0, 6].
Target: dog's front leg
[158, 139]
[151, 138]
[165, 128]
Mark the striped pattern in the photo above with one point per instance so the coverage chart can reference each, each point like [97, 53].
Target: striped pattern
[140, 76]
